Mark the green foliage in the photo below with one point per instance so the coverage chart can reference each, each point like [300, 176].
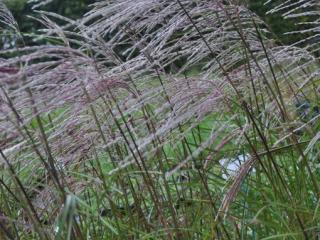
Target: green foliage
[21, 9]
[280, 26]
[277, 24]
[16, 5]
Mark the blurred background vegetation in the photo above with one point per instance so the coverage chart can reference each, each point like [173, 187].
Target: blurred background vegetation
[21, 9]
[276, 23]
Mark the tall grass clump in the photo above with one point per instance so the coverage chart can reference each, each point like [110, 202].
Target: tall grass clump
[160, 119]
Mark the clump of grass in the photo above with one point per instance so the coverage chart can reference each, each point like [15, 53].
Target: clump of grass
[159, 120]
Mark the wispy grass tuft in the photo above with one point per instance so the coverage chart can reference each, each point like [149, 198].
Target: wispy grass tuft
[160, 120]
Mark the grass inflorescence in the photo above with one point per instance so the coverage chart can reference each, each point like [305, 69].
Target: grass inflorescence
[170, 119]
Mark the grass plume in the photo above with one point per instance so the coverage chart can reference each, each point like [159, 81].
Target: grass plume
[150, 119]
